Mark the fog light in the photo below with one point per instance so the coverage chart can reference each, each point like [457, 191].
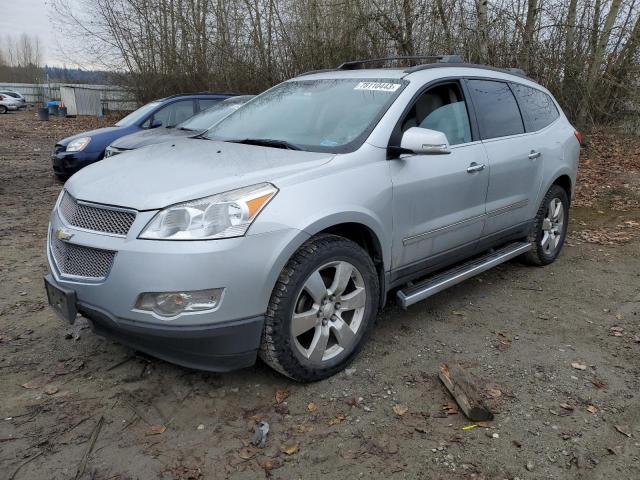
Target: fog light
[170, 304]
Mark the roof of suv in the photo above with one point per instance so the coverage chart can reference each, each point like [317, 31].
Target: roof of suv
[350, 70]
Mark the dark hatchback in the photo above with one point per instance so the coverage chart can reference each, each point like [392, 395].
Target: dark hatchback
[77, 151]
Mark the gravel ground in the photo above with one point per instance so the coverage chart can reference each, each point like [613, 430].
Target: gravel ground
[73, 405]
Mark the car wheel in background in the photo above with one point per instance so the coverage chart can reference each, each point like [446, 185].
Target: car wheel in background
[321, 309]
[550, 228]
[3, 109]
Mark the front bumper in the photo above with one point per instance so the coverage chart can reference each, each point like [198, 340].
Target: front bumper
[222, 339]
[68, 163]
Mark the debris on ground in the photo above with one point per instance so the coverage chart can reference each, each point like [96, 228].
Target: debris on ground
[260, 434]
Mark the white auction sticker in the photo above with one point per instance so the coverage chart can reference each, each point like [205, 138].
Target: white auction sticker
[377, 86]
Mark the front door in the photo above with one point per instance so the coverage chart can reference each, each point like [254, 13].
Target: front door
[438, 200]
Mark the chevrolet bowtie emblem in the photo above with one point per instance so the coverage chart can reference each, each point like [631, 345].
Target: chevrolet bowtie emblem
[63, 234]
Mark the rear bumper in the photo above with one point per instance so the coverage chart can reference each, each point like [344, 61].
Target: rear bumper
[216, 348]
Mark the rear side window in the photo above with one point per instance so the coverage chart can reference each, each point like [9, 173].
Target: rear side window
[537, 107]
[497, 110]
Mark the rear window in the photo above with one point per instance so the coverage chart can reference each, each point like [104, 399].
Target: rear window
[537, 107]
[497, 110]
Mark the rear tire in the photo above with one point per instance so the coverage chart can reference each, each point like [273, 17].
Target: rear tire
[3, 109]
[321, 310]
[550, 228]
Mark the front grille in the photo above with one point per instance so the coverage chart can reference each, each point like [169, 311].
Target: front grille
[81, 261]
[98, 219]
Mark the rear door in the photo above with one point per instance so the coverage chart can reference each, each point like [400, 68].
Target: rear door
[514, 156]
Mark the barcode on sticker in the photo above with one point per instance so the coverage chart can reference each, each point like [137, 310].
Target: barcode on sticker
[377, 86]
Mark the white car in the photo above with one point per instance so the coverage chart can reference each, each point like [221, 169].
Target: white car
[8, 101]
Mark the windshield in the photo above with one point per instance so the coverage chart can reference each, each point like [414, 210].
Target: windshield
[333, 115]
[137, 115]
[11, 94]
[210, 116]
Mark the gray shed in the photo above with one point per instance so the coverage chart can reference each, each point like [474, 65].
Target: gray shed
[80, 100]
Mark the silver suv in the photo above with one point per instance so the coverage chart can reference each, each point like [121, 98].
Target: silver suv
[280, 231]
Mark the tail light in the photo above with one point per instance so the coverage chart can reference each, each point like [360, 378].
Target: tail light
[578, 137]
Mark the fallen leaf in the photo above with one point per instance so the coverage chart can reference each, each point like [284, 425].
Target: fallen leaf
[400, 410]
[51, 390]
[458, 313]
[469, 427]
[578, 366]
[494, 392]
[566, 406]
[337, 419]
[450, 408]
[617, 450]
[312, 407]
[483, 424]
[598, 383]
[246, 454]
[290, 450]
[156, 430]
[282, 409]
[623, 429]
[616, 331]
[281, 394]
[592, 409]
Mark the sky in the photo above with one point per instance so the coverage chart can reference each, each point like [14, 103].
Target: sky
[30, 16]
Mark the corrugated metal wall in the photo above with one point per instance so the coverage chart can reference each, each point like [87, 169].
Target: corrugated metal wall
[113, 98]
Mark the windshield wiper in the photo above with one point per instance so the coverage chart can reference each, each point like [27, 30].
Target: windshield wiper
[267, 142]
[187, 129]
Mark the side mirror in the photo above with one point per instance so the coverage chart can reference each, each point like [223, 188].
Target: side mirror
[156, 123]
[424, 141]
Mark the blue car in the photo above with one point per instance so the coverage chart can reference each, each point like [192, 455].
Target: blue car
[77, 151]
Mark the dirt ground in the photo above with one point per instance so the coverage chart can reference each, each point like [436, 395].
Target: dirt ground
[557, 350]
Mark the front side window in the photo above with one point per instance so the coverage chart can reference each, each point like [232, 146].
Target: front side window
[537, 107]
[497, 111]
[441, 108]
[332, 115]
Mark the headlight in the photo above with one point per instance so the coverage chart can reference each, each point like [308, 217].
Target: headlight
[78, 144]
[224, 215]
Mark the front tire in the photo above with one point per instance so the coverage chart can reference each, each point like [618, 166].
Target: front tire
[550, 228]
[3, 109]
[321, 309]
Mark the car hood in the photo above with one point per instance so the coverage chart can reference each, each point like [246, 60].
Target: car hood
[96, 135]
[160, 175]
[151, 137]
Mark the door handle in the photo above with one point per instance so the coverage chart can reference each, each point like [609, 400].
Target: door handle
[533, 155]
[475, 167]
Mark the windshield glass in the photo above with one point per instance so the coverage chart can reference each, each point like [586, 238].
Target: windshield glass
[210, 116]
[137, 115]
[333, 115]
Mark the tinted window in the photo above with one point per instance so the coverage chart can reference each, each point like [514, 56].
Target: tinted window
[537, 107]
[172, 114]
[497, 110]
[441, 108]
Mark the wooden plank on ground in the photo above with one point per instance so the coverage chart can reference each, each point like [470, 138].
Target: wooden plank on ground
[465, 393]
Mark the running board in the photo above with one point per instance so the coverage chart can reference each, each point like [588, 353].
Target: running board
[416, 292]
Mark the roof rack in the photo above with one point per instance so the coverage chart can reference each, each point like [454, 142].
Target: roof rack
[356, 64]
[185, 94]
[513, 71]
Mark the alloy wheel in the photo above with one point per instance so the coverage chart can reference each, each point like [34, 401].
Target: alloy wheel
[552, 226]
[328, 311]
